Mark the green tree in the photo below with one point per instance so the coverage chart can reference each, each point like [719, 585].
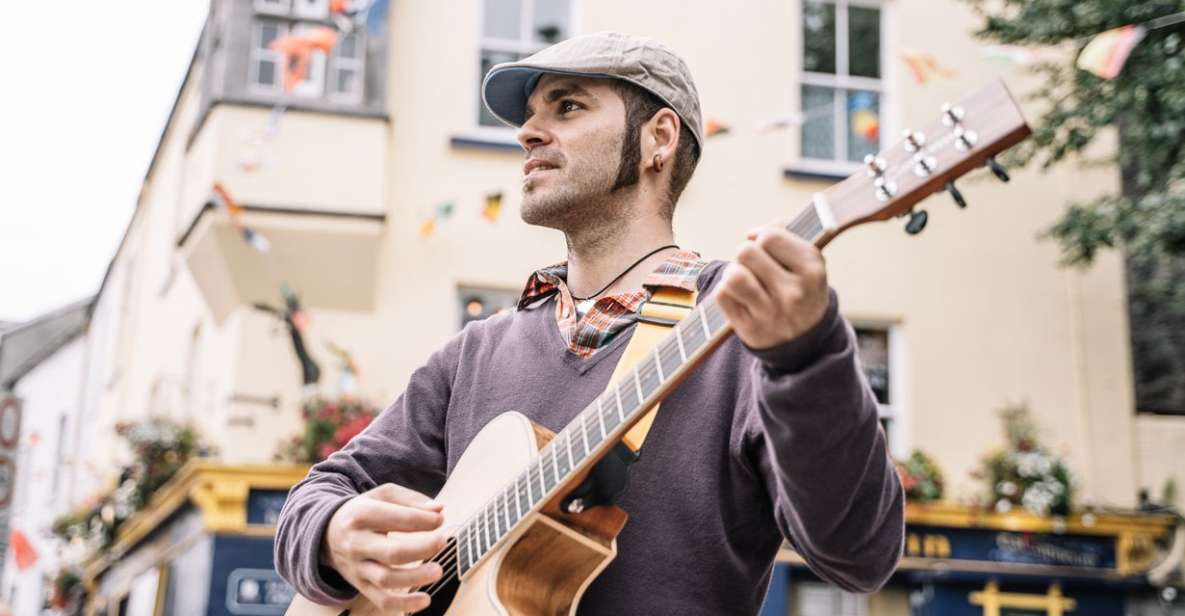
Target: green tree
[1146, 103]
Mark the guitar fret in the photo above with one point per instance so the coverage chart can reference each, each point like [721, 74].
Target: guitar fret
[601, 417]
[555, 466]
[506, 500]
[485, 529]
[530, 496]
[518, 501]
[679, 339]
[703, 318]
[584, 435]
[638, 386]
[462, 552]
[658, 364]
[542, 482]
[473, 547]
[568, 438]
[620, 408]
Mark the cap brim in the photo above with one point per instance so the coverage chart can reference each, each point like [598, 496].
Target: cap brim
[506, 90]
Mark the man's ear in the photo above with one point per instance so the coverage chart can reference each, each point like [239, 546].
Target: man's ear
[662, 136]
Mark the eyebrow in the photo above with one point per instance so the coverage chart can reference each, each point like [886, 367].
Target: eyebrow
[563, 91]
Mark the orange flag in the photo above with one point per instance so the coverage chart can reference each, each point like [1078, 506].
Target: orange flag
[1106, 53]
[925, 67]
[298, 49]
[25, 555]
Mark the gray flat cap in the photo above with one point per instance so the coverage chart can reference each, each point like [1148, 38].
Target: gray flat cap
[641, 61]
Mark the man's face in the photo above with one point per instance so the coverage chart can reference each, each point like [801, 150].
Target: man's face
[572, 135]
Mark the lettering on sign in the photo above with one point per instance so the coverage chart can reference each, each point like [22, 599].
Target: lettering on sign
[257, 592]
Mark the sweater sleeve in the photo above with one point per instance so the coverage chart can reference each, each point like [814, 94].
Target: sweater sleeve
[404, 445]
[817, 444]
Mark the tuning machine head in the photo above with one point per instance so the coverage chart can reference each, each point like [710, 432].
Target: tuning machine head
[952, 115]
[917, 221]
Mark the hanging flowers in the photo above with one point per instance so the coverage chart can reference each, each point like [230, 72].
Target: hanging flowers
[328, 426]
[1024, 473]
[921, 478]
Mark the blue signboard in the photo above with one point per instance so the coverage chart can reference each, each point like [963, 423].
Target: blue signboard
[263, 506]
[243, 579]
[1082, 551]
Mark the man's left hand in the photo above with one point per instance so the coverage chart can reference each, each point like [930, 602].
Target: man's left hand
[776, 288]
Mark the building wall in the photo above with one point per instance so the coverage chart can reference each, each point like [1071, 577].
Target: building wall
[50, 398]
[984, 314]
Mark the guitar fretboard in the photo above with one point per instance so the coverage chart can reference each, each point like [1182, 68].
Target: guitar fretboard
[624, 402]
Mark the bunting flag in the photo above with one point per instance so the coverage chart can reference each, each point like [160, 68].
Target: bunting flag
[22, 549]
[925, 67]
[1012, 54]
[785, 120]
[298, 49]
[428, 227]
[444, 210]
[493, 207]
[222, 199]
[1106, 53]
[715, 127]
[257, 241]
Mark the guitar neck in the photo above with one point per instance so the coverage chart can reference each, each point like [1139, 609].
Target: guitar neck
[594, 432]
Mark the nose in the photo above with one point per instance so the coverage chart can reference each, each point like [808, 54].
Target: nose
[532, 133]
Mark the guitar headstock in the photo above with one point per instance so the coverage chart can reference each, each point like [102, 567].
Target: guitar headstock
[964, 136]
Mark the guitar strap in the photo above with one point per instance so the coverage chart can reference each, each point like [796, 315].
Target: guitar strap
[608, 479]
[657, 316]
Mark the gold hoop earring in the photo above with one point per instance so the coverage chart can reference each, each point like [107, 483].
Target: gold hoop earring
[658, 163]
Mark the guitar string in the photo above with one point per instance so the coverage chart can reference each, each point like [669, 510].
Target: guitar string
[803, 225]
[447, 556]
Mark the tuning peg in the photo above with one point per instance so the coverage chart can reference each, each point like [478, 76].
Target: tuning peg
[956, 194]
[998, 170]
[917, 222]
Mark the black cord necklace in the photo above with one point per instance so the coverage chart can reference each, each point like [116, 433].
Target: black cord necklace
[627, 270]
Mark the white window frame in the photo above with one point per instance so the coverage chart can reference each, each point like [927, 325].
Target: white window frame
[313, 86]
[310, 9]
[356, 64]
[850, 604]
[842, 82]
[258, 52]
[523, 46]
[896, 408]
[273, 7]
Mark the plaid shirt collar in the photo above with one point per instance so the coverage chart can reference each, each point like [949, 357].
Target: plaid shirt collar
[611, 313]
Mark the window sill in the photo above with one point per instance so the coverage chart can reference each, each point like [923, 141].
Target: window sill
[485, 142]
[819, 171]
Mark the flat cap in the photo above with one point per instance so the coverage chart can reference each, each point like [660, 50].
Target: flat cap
[641, 61]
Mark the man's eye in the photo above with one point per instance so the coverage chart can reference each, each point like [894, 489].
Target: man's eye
[567, 106]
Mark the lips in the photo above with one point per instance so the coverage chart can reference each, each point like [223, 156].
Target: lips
[536, 164]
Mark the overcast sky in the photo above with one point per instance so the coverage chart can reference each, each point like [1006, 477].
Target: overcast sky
[89, 87]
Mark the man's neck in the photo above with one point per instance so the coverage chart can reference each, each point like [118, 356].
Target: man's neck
[596, 256]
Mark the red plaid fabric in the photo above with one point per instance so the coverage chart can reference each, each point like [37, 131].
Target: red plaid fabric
[611, 313]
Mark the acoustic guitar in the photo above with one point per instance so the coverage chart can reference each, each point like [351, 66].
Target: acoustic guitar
[512, 548]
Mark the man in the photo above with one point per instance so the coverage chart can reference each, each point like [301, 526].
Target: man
[774, 435]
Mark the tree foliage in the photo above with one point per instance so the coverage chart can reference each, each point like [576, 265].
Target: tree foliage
[1145, 217]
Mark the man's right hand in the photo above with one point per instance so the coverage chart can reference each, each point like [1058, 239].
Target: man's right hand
[385, 567]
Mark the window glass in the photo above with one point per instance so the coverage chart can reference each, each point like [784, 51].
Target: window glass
[863, 125]
[550, 21]
[818, 132]
[311, 9]
[864, 42]
[873, 349]
[503, 19]
[488, 60]
[478, 303]
[818, 37]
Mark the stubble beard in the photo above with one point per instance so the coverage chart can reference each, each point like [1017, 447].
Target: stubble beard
[578, 196]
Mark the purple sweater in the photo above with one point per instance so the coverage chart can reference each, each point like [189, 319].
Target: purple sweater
[754, 447]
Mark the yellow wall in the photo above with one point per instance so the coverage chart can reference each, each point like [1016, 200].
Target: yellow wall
[985, 314]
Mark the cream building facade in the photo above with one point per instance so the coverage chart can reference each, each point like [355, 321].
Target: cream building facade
[972, 314]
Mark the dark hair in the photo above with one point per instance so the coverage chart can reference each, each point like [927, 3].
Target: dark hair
[640, 106]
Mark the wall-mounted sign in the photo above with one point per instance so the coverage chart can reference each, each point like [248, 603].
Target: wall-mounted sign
[1081, 551]
[257, 592]
[263, 506]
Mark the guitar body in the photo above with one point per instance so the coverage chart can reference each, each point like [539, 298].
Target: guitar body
[542, 568]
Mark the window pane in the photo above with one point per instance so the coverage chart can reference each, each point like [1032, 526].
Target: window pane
[818, 132]
[315, 9]
[864, 127]
[864, 42]
[348, 46]
[551, 21]
[265, 74]
[503, 19]
[818, 37]
[477, 304]
[872, 346]
[267, 34]
[488, 60]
